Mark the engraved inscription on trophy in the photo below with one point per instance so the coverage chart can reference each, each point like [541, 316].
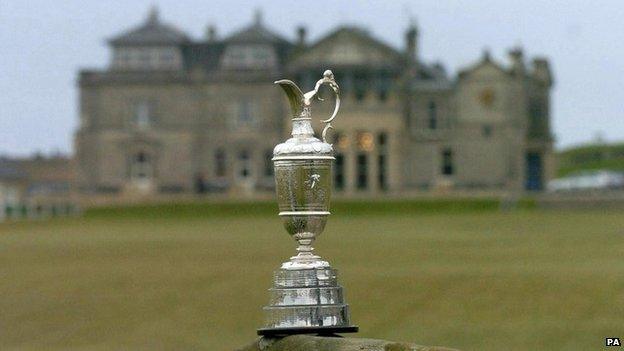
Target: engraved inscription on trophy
[313, 179]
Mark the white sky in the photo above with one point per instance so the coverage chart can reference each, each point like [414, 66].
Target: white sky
[44, 43]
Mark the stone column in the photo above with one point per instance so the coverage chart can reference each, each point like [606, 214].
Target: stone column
[350, 164]
[373, 171]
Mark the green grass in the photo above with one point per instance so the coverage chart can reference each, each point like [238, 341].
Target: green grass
[194, 277]
[269, 208]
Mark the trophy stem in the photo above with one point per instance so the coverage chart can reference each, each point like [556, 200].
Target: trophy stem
[305, 259]
[305, 244]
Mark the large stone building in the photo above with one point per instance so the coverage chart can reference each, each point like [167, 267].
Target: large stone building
[174, 114]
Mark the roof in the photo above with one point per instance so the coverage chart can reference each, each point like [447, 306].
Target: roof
[9, 170]
[486, 60]
[257, 32]
[151, 32]
[431, 78]
[206, 55]
[349, 46]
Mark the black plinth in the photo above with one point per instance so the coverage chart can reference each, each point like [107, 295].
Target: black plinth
[329, 330]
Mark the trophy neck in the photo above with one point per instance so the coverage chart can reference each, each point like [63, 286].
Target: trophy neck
[302, 125]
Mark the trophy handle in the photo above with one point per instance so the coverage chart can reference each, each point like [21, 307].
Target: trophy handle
[328, 78]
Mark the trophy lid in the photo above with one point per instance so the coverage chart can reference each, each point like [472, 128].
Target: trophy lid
[303, 143]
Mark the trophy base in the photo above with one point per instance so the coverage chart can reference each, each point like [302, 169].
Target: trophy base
[306, 301]
[321, 331]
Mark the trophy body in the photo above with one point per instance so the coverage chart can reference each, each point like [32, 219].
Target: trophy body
[305, 296]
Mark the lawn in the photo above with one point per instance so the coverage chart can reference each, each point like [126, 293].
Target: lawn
[195, 277]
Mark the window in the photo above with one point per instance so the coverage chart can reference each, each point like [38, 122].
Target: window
[360, 93]
[383, 85]
[538, 125]
[142, 118]
[487, 131]
[123, 57]
[244, 164]
[432, 113]
[145, 57]
[141, 167]
[268, 163]
[245, 112]
[362, 171]
[383, 95]
[261, 57]
[382, 160]
[249, 56]
[382, 141]
[141, 171]
[447, 162]
[167, 58]
[200, 185]
[220, 163]
[534, 171]
[339, 181]
[360, 85]
[382, 179]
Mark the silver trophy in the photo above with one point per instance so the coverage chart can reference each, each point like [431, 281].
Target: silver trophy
[305, 297]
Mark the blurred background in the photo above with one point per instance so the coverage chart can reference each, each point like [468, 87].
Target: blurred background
[479, 175]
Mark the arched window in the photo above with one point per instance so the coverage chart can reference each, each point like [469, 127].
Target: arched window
[432, 115]
[243, 171]
[141, 171]
[447, 162]
[141, 166]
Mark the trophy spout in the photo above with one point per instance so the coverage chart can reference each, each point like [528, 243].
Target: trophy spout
[300, 102]
[295, 96]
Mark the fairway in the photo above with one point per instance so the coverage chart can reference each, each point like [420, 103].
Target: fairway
[156, 280]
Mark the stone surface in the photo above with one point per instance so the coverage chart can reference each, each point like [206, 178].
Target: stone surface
[317, 343]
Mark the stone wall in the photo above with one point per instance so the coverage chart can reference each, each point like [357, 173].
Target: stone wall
[317, 343]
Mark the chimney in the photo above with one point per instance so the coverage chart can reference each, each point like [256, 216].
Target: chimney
[411, 44]
[152, 16]
[485, 55]
[301, 36]
[541, 71]
[258, 17]
[517, 61]
[211, 33]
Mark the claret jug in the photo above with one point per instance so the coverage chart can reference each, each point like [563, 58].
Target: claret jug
[305, 296]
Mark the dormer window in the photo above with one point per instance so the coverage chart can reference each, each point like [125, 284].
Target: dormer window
[249, 56]
[167, 58]
[153, 45]
[147, 58]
